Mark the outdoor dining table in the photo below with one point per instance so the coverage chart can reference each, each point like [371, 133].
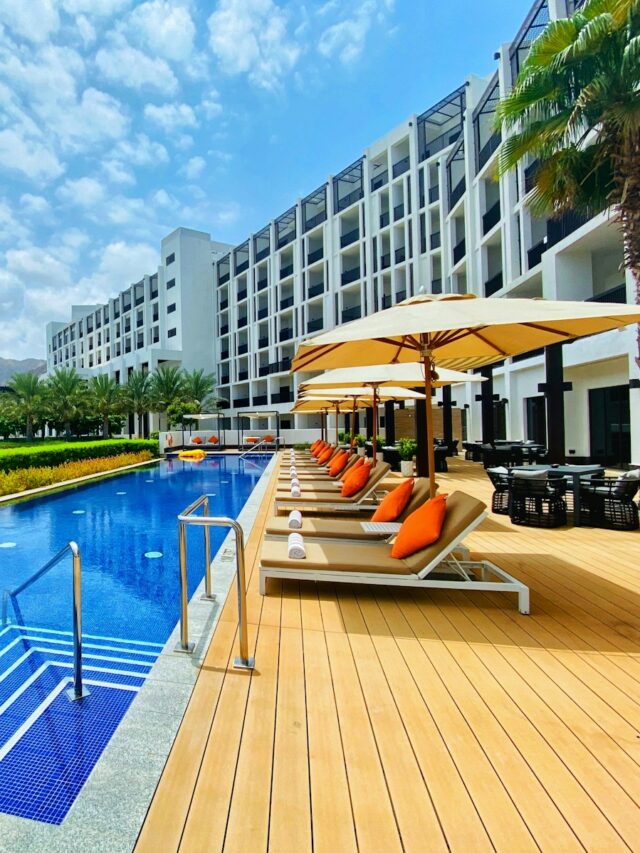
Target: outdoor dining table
[573, 474]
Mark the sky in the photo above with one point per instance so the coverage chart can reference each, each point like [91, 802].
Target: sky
[122, 120]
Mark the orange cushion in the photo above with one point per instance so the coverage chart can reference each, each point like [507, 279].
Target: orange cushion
[318, 450]
[325, 455]
[423, 527]
[394, 503]
[197, 440]
[267, 438]
[355, 481]
[357, 464]
[338, 463]
[213, 439]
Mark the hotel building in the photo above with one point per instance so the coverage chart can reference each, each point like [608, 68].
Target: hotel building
[419, 211]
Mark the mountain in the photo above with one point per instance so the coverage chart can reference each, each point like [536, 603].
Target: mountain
[9, 366]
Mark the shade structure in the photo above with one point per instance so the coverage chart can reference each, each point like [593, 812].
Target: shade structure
[407, 375]
[364, 393]
[457, 331]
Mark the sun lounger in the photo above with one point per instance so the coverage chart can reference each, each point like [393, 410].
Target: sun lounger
[435, 567]
[306, 474]
[311, 499]
[341, 529]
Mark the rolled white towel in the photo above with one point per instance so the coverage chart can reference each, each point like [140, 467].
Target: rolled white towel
[295, 491]
[295, 548]
[293, 470]
[295, 482]
[295, 519]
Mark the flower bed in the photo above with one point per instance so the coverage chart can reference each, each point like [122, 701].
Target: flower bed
[73, 451]
[23, 479]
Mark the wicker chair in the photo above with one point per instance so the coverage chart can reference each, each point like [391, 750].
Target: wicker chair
[608, 502]
[440, 455]
[500, 498]
[538, 503]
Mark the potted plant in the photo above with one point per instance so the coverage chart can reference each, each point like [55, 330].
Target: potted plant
[407, 448]
[359, 439]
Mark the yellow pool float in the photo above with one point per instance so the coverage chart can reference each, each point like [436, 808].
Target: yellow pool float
[192, 454]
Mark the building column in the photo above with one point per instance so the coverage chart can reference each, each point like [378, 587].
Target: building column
[389, 422]
[369, 415]
[553, 389]
[422, 458]
[486, 403]
[447, 415]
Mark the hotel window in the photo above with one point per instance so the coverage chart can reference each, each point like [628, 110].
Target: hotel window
[156, 334]
[171, 308]
[171, 283]
[156, 312]
[170, 258]
[171, 333]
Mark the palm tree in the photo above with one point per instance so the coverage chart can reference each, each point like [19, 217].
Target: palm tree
[138, 395]
[576, 109]
[198, 388]
[65, 389]
[166, 387]
[106, 399]
[28, 389]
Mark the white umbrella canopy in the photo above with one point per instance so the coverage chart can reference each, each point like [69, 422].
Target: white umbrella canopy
[409, 375]
[364, 393]
[457, 331]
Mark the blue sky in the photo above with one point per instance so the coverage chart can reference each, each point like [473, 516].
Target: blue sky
[121, 120]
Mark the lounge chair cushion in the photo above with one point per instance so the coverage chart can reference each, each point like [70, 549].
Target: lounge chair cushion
[355, 482]
[531, 475]
[422, 528]
[315, 444]
[213, 439]
[626, 483]
[334, 557]
[196, 439]
[338, 463]
[394, 502]
[359, 461]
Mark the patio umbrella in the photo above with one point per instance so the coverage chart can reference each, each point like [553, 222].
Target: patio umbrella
[457, 331]
[408, 375]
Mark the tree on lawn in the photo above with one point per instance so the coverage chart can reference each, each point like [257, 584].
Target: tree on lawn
[106, 398]
[29, 393]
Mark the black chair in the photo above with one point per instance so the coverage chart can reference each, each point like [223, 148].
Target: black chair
[452, 448]
[609, 502]
[500, 498]
[538, 503]
[440, 454]
[472, 451]
[391, 455]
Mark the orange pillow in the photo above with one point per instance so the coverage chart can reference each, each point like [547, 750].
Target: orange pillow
[320, 448]
[213, 439]
[357, 464]
[197, 440]
[355, 481]
[338, 463]
[325, 455]
[423, 527]
[267, 438]
[394, 503]
[250, 439]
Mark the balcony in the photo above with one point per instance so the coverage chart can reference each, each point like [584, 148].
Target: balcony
[558, 229]
[263, 370]
[260, 400]
[286, 238]
[316, 255]
[224, 278]
[400, 167]
[616, 294]
[384, 219]
[349, 237]
[224, 380]
[315, 290]
[434, 194]
[224, 355]
[350, 275]
[457, 192]
[224, 330]
[286, 271]
[385, 260]
[530, 176]
[262, 313]
[139, 322]
[241, 402]
[440, 142]
[493, 284]
[484, 154]
[242, 322]
[349, 314]
[400, 255]
[224, 303]
[285, 334]
[242, 267]
[315, 325]
[284, 396]
[387, 300]
[263, 342]
[398, 212]
[242, 294]
[286, 303]
[436, 285]
[459, 251]
[400, 295]
[435, 240]
[534, 254]
[243, 375]
[379, 181]
[347, 200]
[314, 221]
[263, 253]
[491, 218]
[262, 283]
[243, 348]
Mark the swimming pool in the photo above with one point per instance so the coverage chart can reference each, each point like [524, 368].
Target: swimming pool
[126, 529]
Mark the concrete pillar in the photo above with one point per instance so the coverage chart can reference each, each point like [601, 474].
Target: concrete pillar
[554, 389]
[447, 416]
[422, 460]
[390, 422]
[486, 401]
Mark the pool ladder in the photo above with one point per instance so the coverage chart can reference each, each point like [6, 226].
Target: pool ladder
[206, 521]
[78, 691]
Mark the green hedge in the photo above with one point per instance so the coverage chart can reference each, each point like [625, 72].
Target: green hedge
[47, 455]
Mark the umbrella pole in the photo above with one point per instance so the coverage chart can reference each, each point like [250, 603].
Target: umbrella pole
[426, 360]
[337, 422]
[353, 427]
[375, 426]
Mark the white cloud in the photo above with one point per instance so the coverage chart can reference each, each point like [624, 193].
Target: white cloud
[251, 37]
[132, 68]
[36, 267]
[345, 40]
[120, 263]
[98, 8]
[86, 29]
[161, 198]
[97, 117]
[29, 157]
[34, 20]
[117, 172]
[83, 192]
[13, 230]
[35, 204]
[193, 168]
[141, 151]
[163, 28]
[170, 117]
[210, 105]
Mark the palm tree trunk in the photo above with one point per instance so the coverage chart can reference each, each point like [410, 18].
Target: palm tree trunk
[628, 191]
[67, 429]
[105, 426]
[29, 428]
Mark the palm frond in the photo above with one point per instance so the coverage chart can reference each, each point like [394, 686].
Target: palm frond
[557, 37]
[631, 57]
[590, 38]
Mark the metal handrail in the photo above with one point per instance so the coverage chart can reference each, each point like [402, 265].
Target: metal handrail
[262, 441]
[243, 661]
[78, 691]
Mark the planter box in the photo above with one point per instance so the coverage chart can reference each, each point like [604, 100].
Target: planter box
[406, 468]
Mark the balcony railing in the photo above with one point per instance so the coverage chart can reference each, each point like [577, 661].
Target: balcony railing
[315, 325]
[263, 253]
[316, 255]
[380, 180]
[436, 285]
[286, 303]
[400, 255]
[349, 314]
[263, 370]
[243, 348]
[243, 375]
[387, 300]
[350, 275]
[242, 267]
[224, 303]
[558, 229]
[242, 294]
[262, 283]
[286, 238]
[459, 251]
[616, 294]
[434, 193]
[349, 237]
[398, 212]
[314, 221]
[262, 313]
[286, 271]
[493, 284]
[534, 254]
[384, 219]
[491, 217]
[439, 142]
[263, 342]
[488, 149]
[457, 192]
[224, 380]
[286, 334]
[385, 260]
[224, 278]
[315, 290]
[242, 322]
[260, 400]
[224, 355]
[400, 167]
[241, 402]
[434, 240]
[224, 330]
[283, 396]
[348, 200]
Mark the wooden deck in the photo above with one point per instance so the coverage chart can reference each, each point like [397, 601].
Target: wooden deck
[384, 721]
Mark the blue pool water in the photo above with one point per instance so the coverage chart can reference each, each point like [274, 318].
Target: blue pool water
[126, 529]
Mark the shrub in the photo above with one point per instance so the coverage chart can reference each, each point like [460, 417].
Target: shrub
[52, 455]
[22, 479]
[303, 446]
[407, 448]
[359, 439]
